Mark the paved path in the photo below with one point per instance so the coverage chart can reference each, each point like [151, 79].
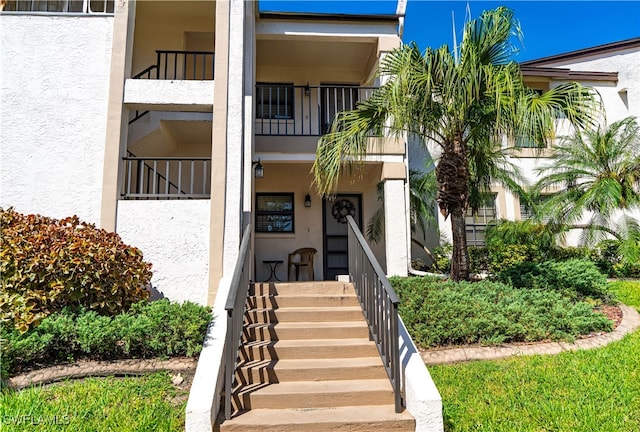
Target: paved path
[630, 322]
[101, 368]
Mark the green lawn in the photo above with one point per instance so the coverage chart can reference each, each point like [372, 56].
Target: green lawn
[596, 390]
[148, 403]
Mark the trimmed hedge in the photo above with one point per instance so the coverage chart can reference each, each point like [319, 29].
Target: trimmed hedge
[574, 277]
[440, 313]
[49, 264]
[148, 329]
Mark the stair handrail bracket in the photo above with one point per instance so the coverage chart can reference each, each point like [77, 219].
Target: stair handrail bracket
[379, 304]
[235, 307]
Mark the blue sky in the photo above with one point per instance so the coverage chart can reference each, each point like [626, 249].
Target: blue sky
[549, 27]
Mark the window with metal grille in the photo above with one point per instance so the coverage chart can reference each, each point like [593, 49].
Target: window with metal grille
[60, 6]
[274, 212]
[274, 101]
[476, 223]
[529, 211]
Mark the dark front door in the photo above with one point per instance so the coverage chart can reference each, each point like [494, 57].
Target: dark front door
[336, 258]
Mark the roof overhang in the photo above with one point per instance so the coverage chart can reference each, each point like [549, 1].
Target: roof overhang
[586, 52]
[566, 74]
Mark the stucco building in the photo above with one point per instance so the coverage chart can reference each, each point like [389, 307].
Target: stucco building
[149, 118]
[178, 123]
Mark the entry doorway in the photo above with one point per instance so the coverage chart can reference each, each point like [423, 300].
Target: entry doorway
[335, 234]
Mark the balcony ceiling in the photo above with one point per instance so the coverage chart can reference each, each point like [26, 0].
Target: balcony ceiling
[189, 132]
[314, 54]
[176, 8]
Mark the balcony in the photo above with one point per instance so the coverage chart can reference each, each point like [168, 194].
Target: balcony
[180, 65]
[166, 178]
[178, 81]
[293, 110]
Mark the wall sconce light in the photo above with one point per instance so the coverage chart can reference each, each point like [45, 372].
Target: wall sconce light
[307, 90]
[307, 200]
[258, 170]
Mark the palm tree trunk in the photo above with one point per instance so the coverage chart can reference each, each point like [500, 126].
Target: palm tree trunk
[460, 256]
[452, 174]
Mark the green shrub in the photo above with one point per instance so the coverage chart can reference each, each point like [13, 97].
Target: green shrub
[526, 232]
[608, 258]
[442, 255]
[446, 313]
[575, 277]
[558, 253]
[48, 264]
[507, 256]
[148, 329]
[479, 260]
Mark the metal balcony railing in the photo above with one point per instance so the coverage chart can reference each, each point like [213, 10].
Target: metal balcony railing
[177, 65]
[166, 178]
[180, 65]
[290, 110]
[379, 303]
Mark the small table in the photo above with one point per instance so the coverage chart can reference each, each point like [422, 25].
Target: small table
[273, 265]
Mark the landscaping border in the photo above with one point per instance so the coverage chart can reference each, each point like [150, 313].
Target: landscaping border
[85, 369]
[630, 322]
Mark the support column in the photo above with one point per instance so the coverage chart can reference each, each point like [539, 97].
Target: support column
[117, 126]
[228, 145]
[395, 216]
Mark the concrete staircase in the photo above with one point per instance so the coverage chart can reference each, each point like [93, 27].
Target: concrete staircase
[307, 364]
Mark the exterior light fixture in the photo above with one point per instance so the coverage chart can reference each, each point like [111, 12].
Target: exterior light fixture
[307, 90]
[258, 170]
[307, 200]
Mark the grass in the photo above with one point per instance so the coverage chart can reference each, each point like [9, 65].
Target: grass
[96, 404]
[595, 390]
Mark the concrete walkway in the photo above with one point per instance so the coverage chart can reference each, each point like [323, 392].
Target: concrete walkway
[630, 322]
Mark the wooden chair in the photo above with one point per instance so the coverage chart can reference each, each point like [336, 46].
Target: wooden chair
[305, 256]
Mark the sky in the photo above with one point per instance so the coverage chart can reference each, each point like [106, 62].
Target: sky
[549, 27]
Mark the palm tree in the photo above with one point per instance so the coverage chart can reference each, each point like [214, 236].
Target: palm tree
[598, 171]
[464, 102]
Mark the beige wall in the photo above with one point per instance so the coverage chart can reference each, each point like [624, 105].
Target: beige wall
[296, 178]
[171, 25]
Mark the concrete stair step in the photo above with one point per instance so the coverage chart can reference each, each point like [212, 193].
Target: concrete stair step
[274, 371]
[302, 300]
[306, 314]
[306, 330]
[314, 394]
[342, 419]
[293, 288]
[308, 348]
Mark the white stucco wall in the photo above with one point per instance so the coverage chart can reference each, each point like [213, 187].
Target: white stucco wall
[627, 64]
[54, 79]
[422, 397]
[174, 236]
[620, 99]
[170, 95]
[395, 231]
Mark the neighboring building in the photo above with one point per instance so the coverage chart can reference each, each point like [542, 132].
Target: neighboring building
[613, 70]
[148, 119]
